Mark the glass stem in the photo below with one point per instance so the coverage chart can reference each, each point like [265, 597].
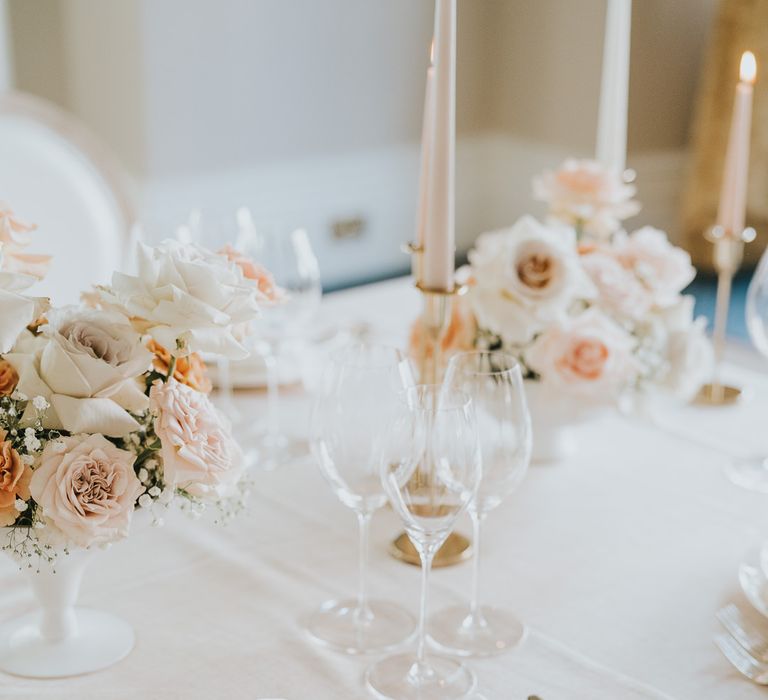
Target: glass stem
[427, 555]
[273, 391]
[364, 522]
[225, 383]
[474, 604]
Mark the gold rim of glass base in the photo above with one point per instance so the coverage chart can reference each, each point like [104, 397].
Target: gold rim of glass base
[725, 396]
[456, 549]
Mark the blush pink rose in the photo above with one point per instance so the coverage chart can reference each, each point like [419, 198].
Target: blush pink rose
[618, 291]
[199, 453]
[665, 270]
[588, 196]
[87, 488]
[588, 354]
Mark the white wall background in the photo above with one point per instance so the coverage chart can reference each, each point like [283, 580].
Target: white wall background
[310, 112]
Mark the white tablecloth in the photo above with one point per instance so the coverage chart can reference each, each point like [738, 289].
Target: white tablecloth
[617, 559]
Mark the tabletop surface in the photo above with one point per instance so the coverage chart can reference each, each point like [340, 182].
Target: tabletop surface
[617, 559]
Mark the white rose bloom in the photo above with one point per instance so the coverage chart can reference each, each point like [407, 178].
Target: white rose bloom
[689, 356]
[526, 277]
[665, 270]
[187, 297]
[86, 364]
[618, 290]
[588, 355]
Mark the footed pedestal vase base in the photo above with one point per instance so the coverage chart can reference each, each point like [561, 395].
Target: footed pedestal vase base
[100, 640]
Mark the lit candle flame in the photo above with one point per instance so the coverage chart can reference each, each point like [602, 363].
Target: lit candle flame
[748, 68]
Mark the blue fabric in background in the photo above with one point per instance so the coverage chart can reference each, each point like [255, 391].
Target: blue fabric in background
[704, 288]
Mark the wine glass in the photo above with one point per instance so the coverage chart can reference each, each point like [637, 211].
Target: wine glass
[495, 383]
[232, 231]
[430, 468]
[752, 473]
[359, 394]
[287, 254]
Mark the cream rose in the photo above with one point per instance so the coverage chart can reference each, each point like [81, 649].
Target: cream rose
[199, 453]
[86, 488]
[665, 270]
[587, 354]
[525, 277]
[186, 298]
[586, 195]
[86, 363]
[618, 291]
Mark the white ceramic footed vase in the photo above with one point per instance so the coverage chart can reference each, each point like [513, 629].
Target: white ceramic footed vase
[555, 420]
[58, 639]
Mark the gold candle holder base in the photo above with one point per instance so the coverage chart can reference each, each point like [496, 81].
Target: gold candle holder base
[456, 549]
[436, 315]
[728, 250]
[717, 395]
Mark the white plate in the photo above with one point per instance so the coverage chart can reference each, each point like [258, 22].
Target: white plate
[54, 174]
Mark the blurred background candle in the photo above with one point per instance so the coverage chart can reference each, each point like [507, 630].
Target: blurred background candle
[426, 150]
[439, 235]
[733, 198]
[614, 89]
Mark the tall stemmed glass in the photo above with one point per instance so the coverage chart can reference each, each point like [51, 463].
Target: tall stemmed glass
[288, 255]
[430, 469]
[752, 473]
[233, 231]
[359, 395]
[495, 383]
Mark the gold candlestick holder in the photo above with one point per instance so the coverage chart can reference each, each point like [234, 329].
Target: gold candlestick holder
[435, 318]
[727, 255]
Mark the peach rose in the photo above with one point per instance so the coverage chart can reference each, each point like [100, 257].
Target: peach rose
[251, 270]
[199, 453]
[9, 378]
[588, 354]
[458, 337]
[87, 488]
[189, 370]
[588, 196]
[14, 482]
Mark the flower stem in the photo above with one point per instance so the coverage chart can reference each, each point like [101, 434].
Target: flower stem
[171, 368]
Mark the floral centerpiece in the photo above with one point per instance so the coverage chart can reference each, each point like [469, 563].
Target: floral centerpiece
[105, 413]
[593, 313]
